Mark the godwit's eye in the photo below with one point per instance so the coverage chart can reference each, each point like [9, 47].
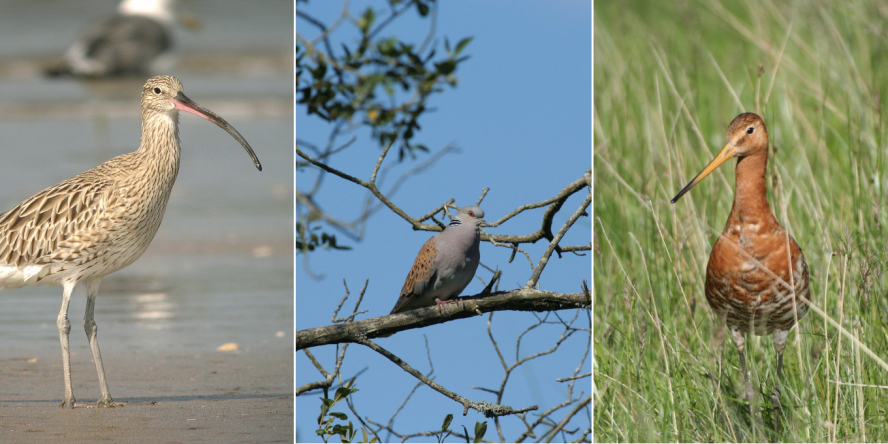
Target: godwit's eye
[156, 90]
[750, 130]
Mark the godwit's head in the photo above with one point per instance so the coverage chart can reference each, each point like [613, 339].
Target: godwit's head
[747, 135]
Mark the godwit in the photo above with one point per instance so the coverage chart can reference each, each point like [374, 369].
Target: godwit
[132, 41]
[756, 275]
[100, 221]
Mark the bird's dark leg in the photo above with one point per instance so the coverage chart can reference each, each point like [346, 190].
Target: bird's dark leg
[780, 337]
[747, 392]
[740, 342]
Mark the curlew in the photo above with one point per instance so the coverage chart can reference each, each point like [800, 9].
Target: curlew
[102, 220]
[756, 279]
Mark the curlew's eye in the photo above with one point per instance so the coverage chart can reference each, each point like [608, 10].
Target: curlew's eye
[750, 130]
[156, 90]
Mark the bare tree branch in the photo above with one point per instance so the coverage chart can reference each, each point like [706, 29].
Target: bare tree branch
[487, 409]
[545, 231]
[581, 211]
[524, 299]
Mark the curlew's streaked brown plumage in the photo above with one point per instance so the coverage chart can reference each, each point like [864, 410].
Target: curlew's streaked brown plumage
[102, 220]
[756, 279]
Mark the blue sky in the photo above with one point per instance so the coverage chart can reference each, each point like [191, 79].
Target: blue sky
[521, 118]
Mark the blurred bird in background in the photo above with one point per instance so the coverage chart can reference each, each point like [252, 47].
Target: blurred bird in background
[136, 40]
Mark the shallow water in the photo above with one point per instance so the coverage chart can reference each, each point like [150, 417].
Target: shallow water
[220, 270]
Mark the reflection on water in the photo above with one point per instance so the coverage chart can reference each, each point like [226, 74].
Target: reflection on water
[153, 309]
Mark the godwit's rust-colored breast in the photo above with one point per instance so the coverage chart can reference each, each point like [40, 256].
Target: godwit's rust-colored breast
[751, 268]
[755, 266]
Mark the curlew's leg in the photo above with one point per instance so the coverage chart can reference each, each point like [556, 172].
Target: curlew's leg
[64, 328]
[92, 330]
[740, 342]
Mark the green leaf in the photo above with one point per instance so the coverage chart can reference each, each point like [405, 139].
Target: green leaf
[447, 420]
[366, 20]
[422, 8]
[480, 430]
[446, 67]
[461, 45]
[343, 392]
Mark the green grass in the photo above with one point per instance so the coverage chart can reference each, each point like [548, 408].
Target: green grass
[668, 78]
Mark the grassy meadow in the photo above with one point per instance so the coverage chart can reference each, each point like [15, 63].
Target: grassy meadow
[668, 78]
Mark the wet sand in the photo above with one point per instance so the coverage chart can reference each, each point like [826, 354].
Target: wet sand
[207, 397]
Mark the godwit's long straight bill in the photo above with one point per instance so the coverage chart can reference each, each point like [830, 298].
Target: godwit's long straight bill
[726, 153]
[183, 103]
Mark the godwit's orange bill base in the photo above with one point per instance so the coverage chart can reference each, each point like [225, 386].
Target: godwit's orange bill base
[756, 275]
[100, 221]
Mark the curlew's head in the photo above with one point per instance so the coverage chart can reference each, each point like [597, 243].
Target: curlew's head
[747, 135]
[163, 95]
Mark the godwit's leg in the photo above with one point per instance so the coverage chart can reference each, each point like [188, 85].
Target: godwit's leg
[780, 337]
[64, 328]
[92, 330]
[740, 342]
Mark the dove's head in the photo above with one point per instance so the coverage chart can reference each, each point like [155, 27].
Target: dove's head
[472, 215]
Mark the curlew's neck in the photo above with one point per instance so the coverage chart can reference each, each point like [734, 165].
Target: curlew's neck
[160, 143]
[750, 196]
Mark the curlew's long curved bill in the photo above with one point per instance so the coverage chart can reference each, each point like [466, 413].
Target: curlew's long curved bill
[726, 153]
[183, 103]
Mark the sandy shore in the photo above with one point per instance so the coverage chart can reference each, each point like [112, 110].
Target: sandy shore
[243, 396]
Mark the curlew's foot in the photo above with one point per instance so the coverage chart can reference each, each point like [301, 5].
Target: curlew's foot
[105, 403]
[67, 404]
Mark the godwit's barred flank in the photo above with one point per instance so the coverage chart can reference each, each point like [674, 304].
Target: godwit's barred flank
[100, 221]
[756, 277]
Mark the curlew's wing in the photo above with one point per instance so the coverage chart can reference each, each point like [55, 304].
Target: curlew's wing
[421, 275]
[52, 224]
